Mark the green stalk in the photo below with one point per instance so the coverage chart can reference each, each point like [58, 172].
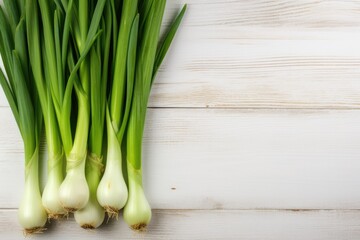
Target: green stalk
[25, 105]
[117, 103]
[144, 70]
[82, 128]
[79, 149]
[112, 191]
[77, 157]
[55, 151]
[74, 191]
[92, 215]
[137, 212]
[32, 214]
[50, 51]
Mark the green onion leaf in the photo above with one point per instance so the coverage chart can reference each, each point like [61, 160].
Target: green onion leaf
[131, 66]
[163, 49]
[6, 46]
[13, 13]
[10, 97]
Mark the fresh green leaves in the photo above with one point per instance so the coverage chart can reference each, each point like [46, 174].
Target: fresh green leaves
[130, 79]
[71, 63]
[6, 45]
[25, 105]
[164, 47]
[117, 97]
[16, 83]
[14, 14]
[10, 97]
[147, 45]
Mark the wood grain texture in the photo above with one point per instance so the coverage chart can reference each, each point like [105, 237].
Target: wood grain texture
[233, 159]
[256, 107]
[175, 224]
[305, 13]
[262, 54]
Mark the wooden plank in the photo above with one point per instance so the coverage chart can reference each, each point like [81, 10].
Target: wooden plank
[232, 159]
[175, 224]
[281, 13]
[262, 54]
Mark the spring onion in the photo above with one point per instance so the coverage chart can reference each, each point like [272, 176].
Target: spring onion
[25, 105]
[74, 190]
[112, 192]
[83, 69]
[92, 215]
[137, 212]
[50, 197]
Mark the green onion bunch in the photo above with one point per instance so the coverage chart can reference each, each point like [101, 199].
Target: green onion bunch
[82, 71]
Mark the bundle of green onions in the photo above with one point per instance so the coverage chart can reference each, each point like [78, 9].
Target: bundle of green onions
[78, 68]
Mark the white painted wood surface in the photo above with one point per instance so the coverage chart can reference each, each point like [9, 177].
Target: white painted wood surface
[256, 107]
[213, 225]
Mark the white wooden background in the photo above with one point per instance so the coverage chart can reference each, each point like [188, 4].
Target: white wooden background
[253, 129]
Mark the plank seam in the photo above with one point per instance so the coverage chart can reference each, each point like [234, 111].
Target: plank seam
[244, 210]
[252, 108]
[258, 108]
